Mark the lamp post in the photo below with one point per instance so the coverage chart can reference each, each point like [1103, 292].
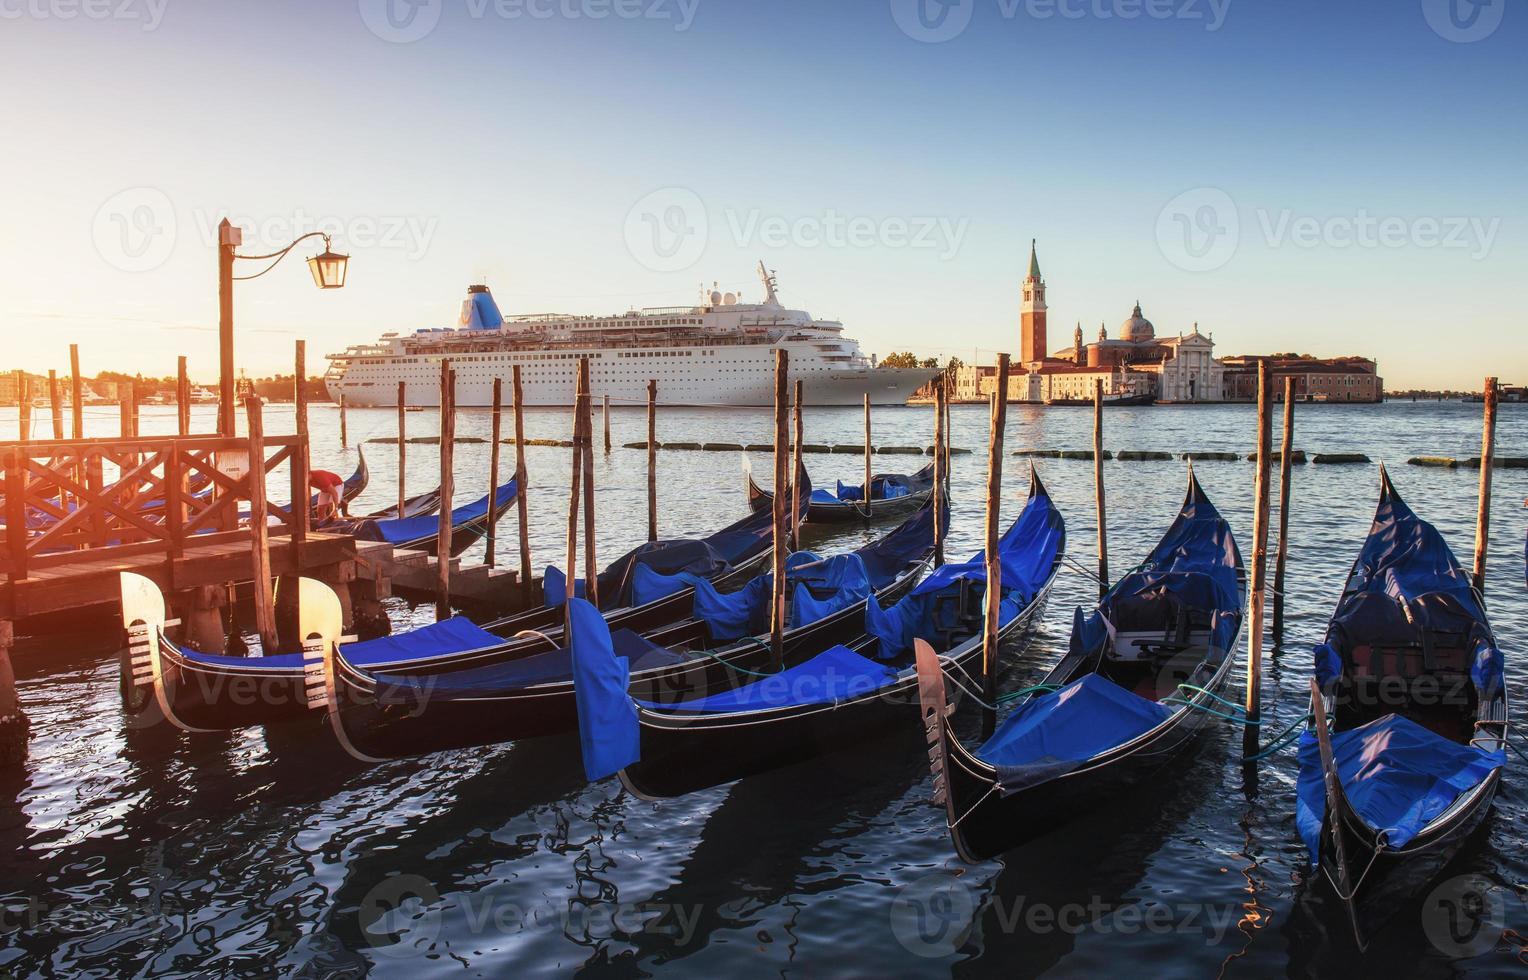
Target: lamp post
[328, 267]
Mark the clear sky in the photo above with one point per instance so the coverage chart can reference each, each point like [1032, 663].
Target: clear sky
[1295, 175]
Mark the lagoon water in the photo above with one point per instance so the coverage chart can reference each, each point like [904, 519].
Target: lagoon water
[268, 851]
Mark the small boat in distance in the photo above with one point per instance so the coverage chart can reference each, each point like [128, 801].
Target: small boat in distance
[891, 494]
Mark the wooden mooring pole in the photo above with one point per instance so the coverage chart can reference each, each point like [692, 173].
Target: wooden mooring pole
[522, 509]
[23, 406]
[796, 470]
[300, 394]
[1258, 590]
[1098, 487]
[182, 397]
[345, 435]
[867, 456]
[447, 487]
[591, 579]
[781, 502]
[652, 459]
[496, 427]
[76, 393]
[993, 598]
[940, 476]
[1483, 509]
[260, 544]
[403, 445]
[56, 403]
[575, 488]
[605, 415]
[1281, 557]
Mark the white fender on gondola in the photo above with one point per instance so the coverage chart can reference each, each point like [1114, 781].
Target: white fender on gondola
[321, 623]
[144, 617]
[935, 708]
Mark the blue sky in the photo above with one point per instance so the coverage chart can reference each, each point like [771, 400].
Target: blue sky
[1330, 178]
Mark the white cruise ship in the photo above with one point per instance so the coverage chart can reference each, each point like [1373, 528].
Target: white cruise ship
[719, 352]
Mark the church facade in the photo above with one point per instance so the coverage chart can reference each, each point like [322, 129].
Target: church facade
[1133, 363]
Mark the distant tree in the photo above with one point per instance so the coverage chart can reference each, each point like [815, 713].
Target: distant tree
[900, 359]
[929, 362]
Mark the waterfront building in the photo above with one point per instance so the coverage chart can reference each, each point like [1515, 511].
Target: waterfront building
[1334, 379]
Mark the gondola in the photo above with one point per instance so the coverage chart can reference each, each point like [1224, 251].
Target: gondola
[380, 714]
[420, 532]
[829, 695]
[1119, 705]
[891, 495]
[1409, 721]
[161, 680]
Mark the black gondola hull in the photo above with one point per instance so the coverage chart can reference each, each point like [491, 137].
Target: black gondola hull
[683, 755]
[391, 731]
[984, 823]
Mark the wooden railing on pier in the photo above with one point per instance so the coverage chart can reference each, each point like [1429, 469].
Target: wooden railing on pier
[58, 491]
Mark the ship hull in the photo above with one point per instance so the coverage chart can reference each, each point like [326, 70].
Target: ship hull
[474, 388]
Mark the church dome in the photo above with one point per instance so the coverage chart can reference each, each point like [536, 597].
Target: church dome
[1137, 329]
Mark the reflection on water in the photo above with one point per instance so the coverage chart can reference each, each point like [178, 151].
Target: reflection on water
[132, 851]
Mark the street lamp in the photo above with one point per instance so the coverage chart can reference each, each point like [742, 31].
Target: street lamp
[329, 269]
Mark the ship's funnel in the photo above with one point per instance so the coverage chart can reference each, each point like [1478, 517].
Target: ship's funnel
[479, 311]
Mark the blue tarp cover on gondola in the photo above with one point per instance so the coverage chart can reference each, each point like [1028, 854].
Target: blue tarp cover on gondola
[1028, 553]
[1055, 733]
[819, 586]
[1397, 775]
[453, 635]
[608, 732]
[834, 675]
[513, 675]
[404, 529]
[1406, 563]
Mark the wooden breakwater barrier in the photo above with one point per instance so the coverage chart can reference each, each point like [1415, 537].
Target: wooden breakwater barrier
[1470, 462]
[856, 449]
[1296, 456]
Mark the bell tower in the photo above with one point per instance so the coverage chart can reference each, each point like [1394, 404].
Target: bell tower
[1032, 315]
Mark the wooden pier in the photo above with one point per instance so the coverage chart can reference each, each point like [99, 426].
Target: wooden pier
[169, 508]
